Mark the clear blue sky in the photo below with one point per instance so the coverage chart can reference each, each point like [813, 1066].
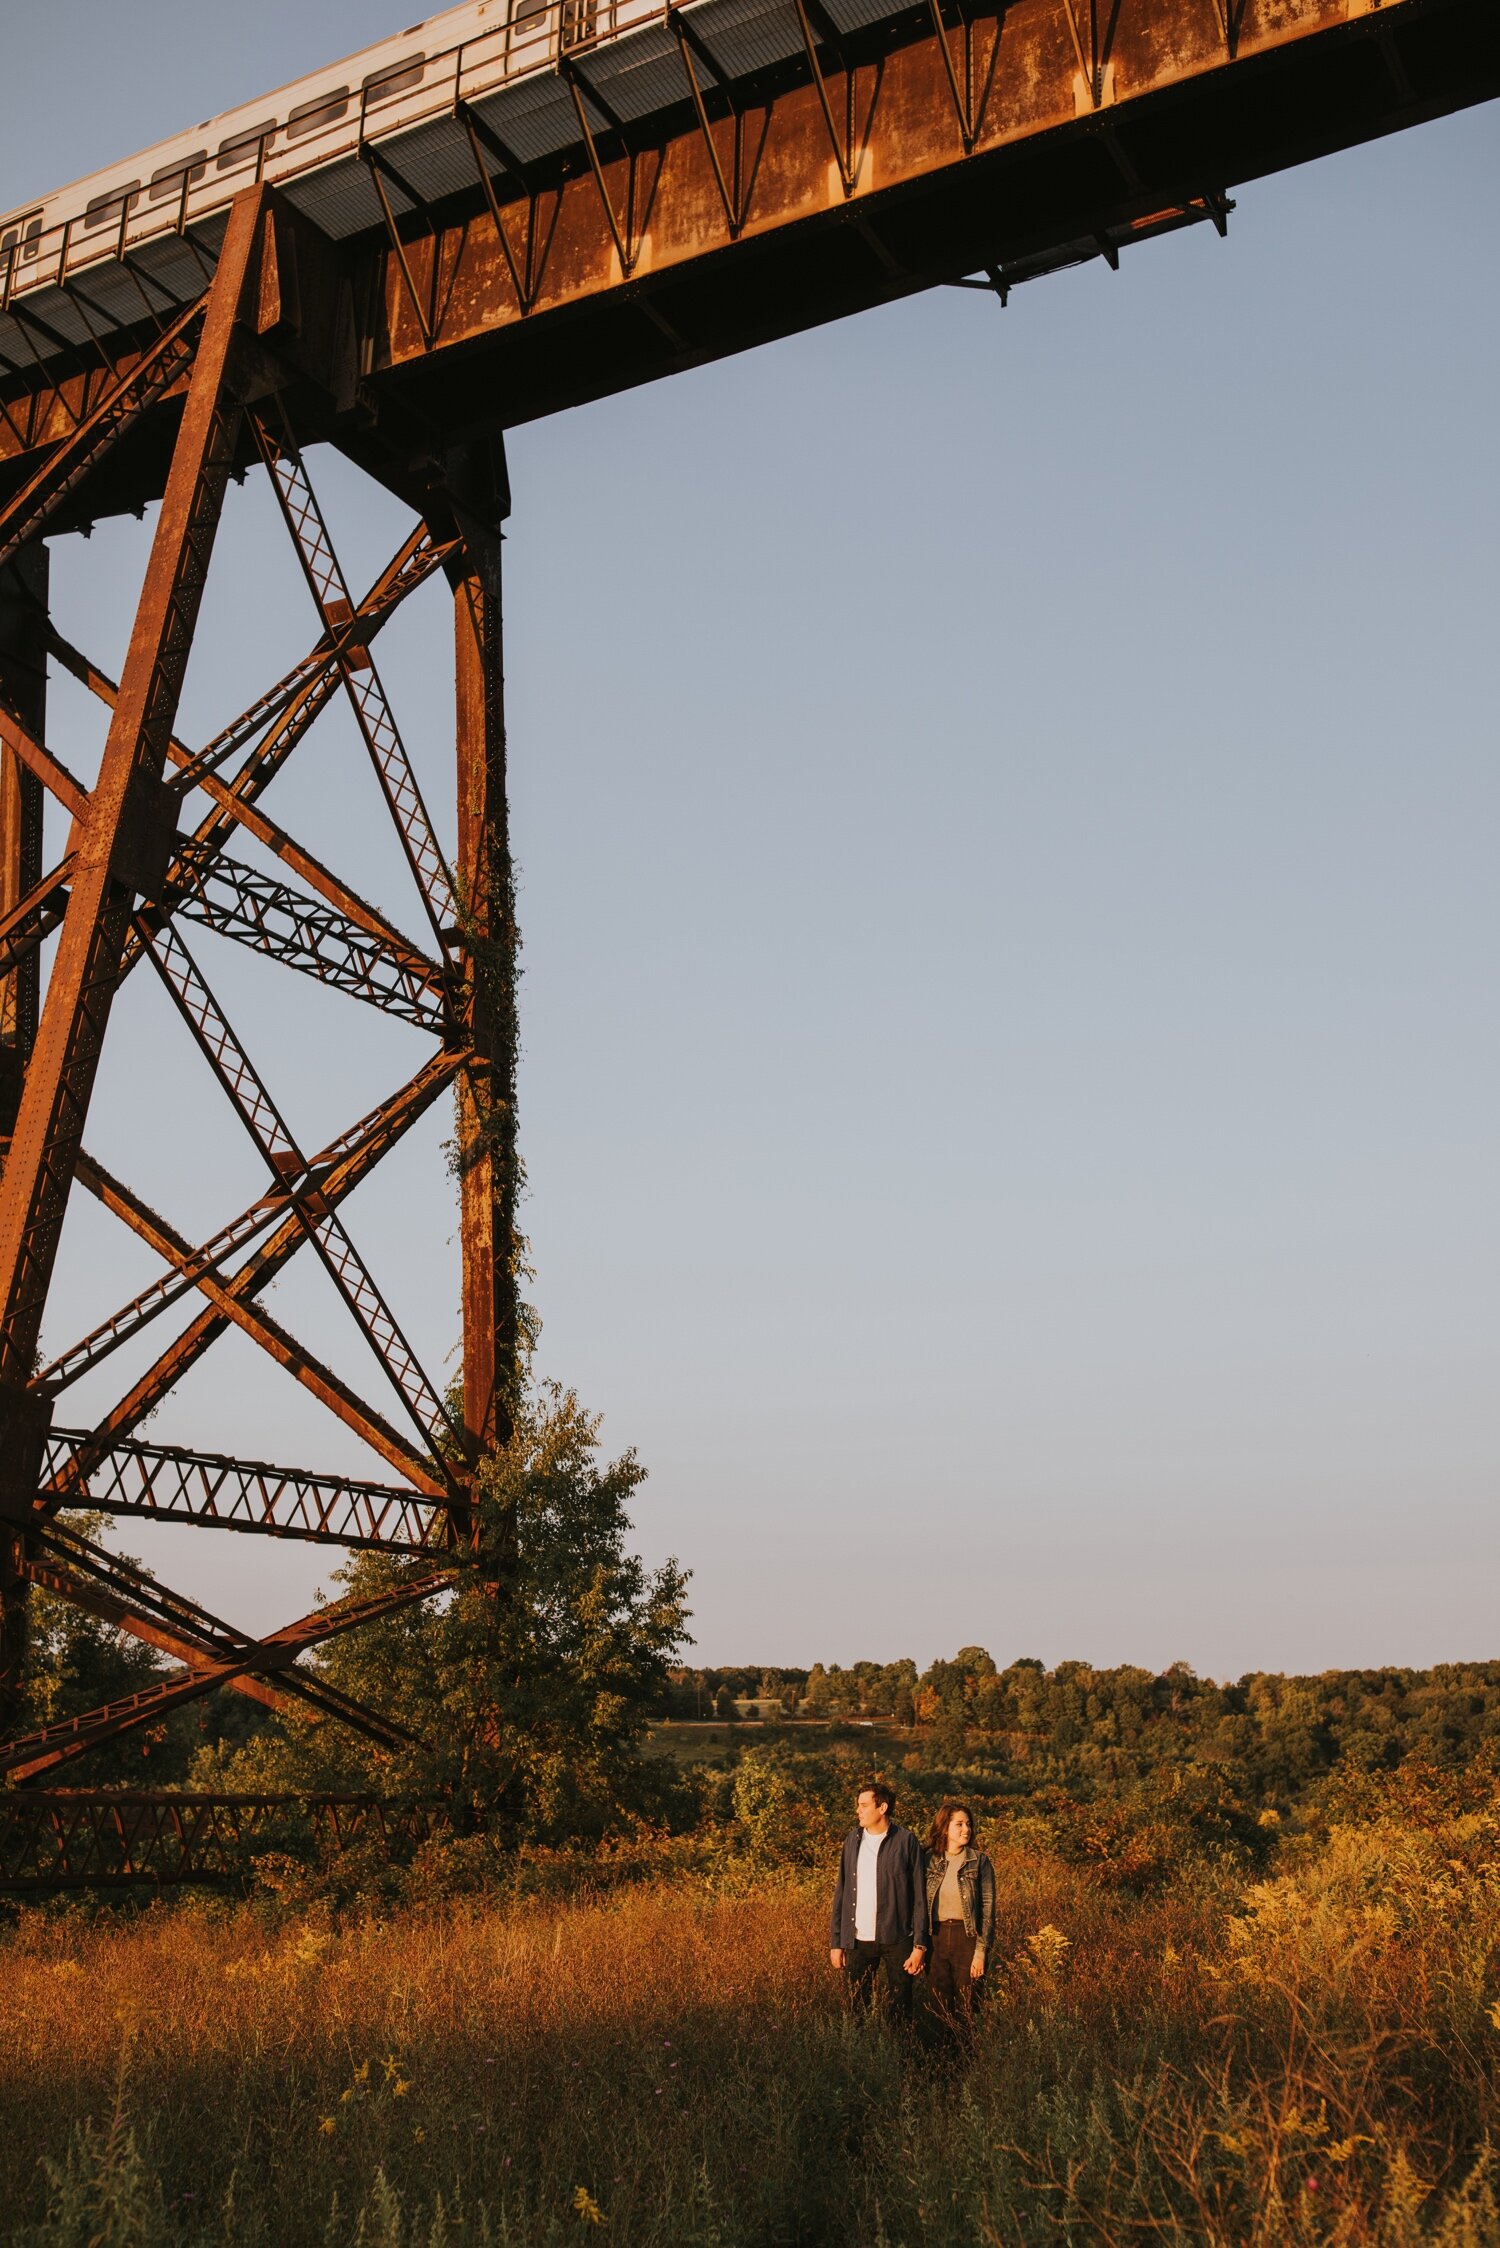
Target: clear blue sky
[1007, 807]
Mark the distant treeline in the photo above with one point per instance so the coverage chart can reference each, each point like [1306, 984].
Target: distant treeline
[1093, 1729]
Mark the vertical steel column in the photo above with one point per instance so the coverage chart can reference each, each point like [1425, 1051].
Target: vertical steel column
[23, 688]
[487, 1086]
[121, 853]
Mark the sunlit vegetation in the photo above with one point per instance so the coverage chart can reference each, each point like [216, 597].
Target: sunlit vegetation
[643, 2041]
[1246, 1988]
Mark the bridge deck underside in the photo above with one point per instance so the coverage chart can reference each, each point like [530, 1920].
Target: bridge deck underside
[1050, 177]
[877, 166]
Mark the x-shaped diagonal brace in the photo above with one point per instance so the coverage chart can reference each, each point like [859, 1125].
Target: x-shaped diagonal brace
[233, 1302]
[213, 1653]
[334, 1170]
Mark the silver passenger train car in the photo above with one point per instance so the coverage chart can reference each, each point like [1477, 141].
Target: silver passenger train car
[128, 231]
[461, 55]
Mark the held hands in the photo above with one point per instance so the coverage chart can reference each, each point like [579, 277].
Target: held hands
[914, 1965]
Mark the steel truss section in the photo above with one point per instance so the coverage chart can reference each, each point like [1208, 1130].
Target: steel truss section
[149, 850]
[126, 399]
[213, 1653]
[167, 1483]
[101, 1841]
[254, 909]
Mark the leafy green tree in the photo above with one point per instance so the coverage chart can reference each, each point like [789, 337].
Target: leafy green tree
[530, 1696]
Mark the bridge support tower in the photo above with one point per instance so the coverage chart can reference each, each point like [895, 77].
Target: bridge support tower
[153, 847]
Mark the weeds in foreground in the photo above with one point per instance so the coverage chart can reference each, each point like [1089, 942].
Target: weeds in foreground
[1311, 2060]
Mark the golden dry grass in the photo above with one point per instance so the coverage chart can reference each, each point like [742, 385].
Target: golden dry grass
[1311, 2061]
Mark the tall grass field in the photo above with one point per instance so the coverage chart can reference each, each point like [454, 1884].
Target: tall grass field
[1306, 2057]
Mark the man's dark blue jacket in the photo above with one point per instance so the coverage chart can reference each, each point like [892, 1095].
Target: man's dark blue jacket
[900, 1892]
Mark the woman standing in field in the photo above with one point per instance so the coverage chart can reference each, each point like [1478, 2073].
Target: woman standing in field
[961, 1910]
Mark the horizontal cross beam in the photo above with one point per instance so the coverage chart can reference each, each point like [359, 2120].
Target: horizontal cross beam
[255, 910]
[169, 1483]
[95, 1840]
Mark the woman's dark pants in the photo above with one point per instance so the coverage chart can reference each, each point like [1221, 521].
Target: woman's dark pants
[948, 1971]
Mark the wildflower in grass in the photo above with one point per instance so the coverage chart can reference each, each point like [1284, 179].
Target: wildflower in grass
[328, 2125]
[1049, 1947]
[586, 2206]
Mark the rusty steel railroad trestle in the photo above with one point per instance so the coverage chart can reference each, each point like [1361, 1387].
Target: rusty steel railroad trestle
[703, 189]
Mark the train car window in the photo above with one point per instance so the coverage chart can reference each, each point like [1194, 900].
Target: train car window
[112, 205]
[324, 109]
[22, 234]
[169, 180]
[243, 148]
[394, 79]
[529, 12]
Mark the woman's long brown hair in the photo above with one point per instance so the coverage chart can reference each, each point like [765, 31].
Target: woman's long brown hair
[939, 1843]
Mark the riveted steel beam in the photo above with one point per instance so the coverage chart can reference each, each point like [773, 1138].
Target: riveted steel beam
[59, 1080]
[169, 1483]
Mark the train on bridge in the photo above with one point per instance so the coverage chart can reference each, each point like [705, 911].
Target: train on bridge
[493, 62]
[499, 213]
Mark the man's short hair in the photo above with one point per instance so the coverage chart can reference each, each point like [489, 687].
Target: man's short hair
[884, 1796]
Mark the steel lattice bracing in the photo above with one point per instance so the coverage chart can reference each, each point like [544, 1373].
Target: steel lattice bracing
[168, 1483]
[149, 852]
[703, 184]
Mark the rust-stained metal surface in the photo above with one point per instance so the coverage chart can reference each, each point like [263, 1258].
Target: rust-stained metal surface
[171, 1483]
[944, 145]
[921, 157]
[147, 852]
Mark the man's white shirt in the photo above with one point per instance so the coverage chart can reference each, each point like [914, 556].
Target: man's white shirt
[865, 1900]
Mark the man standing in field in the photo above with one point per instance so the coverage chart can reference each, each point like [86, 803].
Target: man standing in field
[880, 1905]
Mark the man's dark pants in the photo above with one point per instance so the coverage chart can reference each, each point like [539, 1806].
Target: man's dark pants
[864, 1964]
